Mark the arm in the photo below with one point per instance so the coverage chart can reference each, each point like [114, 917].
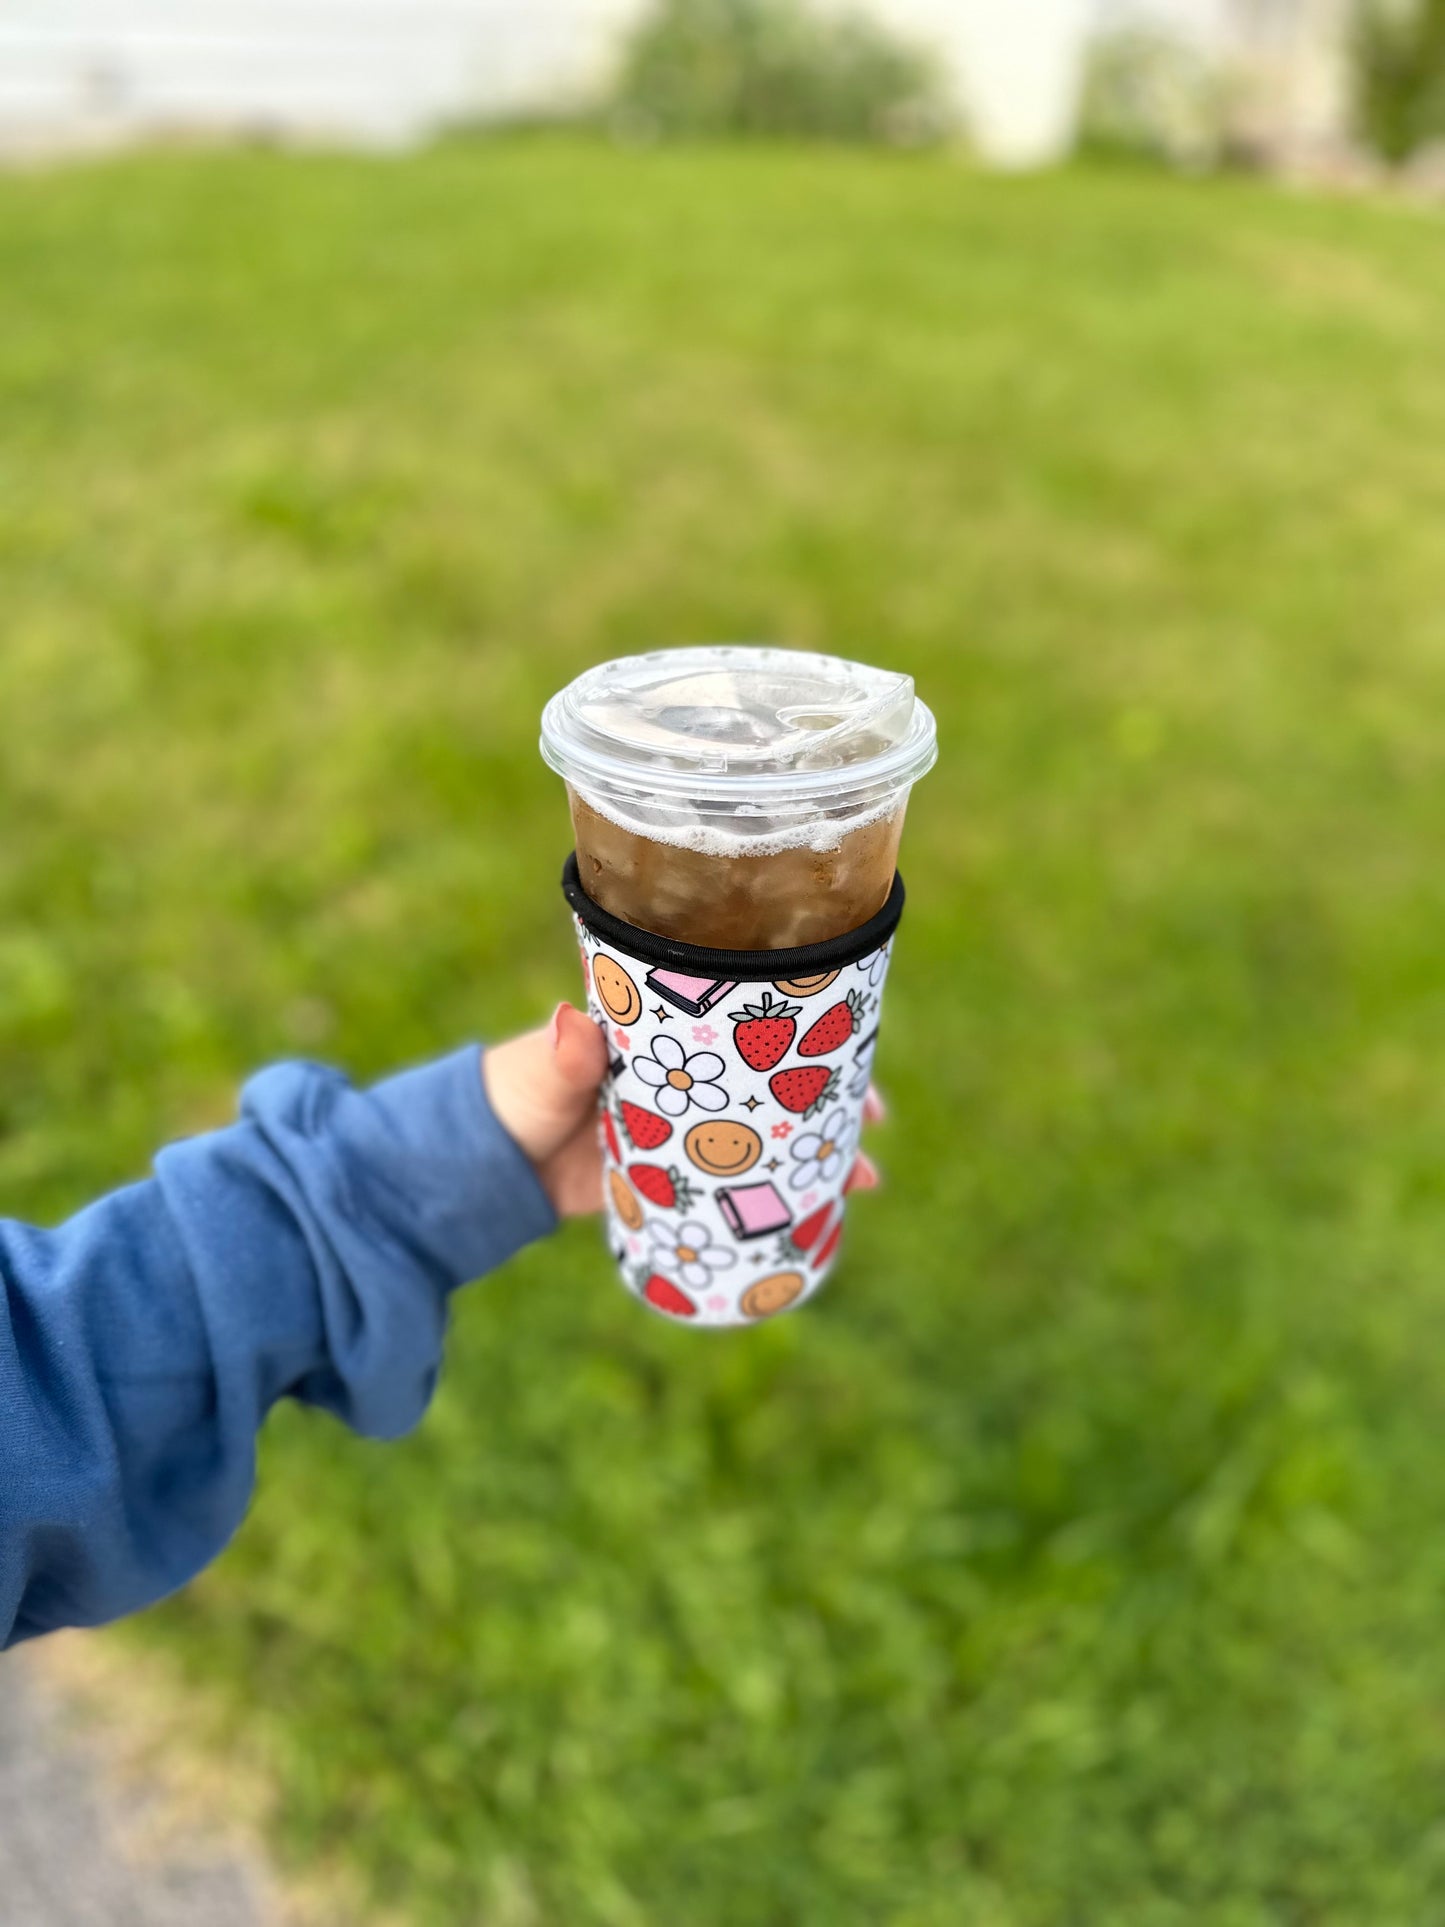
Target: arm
[309, 1251]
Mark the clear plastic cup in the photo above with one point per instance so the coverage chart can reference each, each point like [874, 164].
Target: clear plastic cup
[739, 798]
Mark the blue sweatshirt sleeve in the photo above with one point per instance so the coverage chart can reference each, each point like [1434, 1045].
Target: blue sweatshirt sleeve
[308, 1251]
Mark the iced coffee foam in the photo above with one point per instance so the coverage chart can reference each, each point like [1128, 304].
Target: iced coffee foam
[770, 837]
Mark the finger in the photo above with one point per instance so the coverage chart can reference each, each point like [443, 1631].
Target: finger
[573, 1175]
[543, 1084]
[579, 1049]
[864, 1176]
[874, 1109]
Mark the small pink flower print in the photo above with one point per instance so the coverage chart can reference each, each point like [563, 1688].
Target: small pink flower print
[704, 1034]
[623, 1039]
[809, 1200]
[634, 1246]
[718, 1302]
[782, 1130]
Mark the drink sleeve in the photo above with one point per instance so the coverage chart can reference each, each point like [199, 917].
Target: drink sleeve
[732, 1108]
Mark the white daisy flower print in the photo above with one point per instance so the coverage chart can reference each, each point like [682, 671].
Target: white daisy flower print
[681, 1078]
[878, 968]
[689, 1253]
[822, 1156]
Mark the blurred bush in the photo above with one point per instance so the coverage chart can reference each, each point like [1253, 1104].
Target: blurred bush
[1147, 96]
[1399, 55]
[776, 67]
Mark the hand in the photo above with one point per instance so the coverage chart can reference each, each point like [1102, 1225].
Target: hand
[543, 1087]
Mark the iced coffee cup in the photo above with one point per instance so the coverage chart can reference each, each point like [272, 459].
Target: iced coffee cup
[737, 815]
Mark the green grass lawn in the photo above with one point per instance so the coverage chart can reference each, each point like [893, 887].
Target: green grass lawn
[1079, 1560]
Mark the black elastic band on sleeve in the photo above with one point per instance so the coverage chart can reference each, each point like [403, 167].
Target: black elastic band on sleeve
[742, 966]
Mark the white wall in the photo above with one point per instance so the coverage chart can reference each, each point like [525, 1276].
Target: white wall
[371, 69]
[1016, 65]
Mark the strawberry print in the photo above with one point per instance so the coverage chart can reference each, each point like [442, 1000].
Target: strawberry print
[668, 1189]
[764, 1031]
[805, 1235]
[804, 1089]
[662, 1293]
[829, 1245]
[833, 1028]
[645, 1130]
[609, 1132]
[818, 1234]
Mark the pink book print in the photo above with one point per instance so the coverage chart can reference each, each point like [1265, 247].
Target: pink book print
[753, 1210]
[695, 995]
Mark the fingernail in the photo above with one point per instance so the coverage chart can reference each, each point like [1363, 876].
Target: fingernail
[557, 1025]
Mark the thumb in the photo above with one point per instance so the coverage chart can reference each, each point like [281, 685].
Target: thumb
[543, 1085]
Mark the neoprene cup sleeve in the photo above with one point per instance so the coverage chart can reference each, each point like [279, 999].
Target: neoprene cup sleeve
[732, 1109]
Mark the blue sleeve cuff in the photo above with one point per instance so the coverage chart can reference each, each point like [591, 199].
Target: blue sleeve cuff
[470, 1192]
[327, 1231]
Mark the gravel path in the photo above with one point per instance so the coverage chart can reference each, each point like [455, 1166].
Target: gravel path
[68, 1834]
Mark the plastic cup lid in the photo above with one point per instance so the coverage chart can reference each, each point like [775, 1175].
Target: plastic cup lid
[779, 727]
